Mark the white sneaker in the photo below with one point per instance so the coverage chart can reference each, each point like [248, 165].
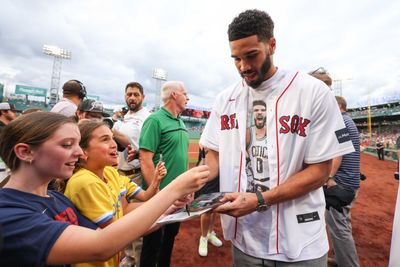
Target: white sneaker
[203, 246]
[212, 237]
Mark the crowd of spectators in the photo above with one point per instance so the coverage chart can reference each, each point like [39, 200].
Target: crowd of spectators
[388, 136]
[376, 111]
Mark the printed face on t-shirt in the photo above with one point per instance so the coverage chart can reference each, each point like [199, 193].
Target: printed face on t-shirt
[257, 169]
[260, 116]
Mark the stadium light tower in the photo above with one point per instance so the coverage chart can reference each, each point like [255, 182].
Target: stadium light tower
[338, 84]
[59, 54]
[159, 75]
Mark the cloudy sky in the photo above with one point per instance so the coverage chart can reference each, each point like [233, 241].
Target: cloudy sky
[115, 42]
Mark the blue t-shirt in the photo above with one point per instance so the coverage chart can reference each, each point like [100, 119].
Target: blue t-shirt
[31, 224]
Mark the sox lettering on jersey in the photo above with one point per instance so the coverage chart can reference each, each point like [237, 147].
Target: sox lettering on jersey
[295, 124]
[229, 122]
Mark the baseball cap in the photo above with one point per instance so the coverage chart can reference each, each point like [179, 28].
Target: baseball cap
[91, 105]
[8, 106]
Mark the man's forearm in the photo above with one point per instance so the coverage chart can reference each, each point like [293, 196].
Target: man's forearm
[336, 162]
[121, 138]
[147, 168]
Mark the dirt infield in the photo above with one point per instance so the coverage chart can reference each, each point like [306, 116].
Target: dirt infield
[372, 222]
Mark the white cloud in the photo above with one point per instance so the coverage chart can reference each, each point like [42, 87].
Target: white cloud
[115, 42]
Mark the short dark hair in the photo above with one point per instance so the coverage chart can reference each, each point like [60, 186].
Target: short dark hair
[135, 84]
[74, 87]
[251, 22]
[259, 103]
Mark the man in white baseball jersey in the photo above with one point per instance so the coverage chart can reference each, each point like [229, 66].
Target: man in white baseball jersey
[283, 226]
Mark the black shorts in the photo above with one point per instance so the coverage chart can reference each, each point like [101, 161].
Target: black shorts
[210, 187]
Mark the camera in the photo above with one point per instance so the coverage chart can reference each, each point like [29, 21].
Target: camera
[396, 175]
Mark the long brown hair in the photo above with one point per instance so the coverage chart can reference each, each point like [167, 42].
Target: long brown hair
[32, 129]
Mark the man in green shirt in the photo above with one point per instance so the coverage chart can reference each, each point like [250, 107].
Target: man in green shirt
[164, 133]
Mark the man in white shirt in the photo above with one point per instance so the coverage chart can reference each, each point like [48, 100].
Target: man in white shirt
[131, 125]
[283, 225]
[73, 93]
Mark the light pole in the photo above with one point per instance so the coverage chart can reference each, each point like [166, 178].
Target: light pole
[9, 74]
[59, 54]
[338, 84]
[159, 75]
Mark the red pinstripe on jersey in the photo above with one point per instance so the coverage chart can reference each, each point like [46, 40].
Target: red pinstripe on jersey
[278, 158]
[240, 174]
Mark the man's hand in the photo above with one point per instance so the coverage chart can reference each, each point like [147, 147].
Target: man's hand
[238, 204]
[330, 182]
[131, 153]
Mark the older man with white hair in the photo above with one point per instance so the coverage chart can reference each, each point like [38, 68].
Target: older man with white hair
[164, 133]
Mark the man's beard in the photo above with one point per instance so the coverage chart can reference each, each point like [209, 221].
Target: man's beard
[135, 107]
[260, 125]
[263, 71]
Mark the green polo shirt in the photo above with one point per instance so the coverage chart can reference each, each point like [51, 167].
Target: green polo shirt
[164, 134]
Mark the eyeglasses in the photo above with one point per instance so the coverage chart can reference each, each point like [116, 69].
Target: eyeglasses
[320, 70]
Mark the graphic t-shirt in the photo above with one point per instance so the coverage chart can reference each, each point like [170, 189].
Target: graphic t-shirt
[257, 169]
[256, 139]
[31, 224]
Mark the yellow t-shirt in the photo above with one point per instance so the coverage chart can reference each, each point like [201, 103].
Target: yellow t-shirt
[100, 201]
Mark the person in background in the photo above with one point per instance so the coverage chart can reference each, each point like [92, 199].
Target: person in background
[44, 224]
[207, 219]
[164, 133]
[341, 189]
[343, 184]
[323, 75]
[73, 93]
[131, 126]
[380, 149]
[91, 109]
[8, 113]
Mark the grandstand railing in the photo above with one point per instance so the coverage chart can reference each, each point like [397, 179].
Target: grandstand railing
[390, 154]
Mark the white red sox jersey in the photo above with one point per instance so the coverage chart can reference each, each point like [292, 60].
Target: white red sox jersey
[258, 154]
[304, 126]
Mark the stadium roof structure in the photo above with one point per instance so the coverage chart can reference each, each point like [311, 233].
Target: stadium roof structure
[198, 108]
